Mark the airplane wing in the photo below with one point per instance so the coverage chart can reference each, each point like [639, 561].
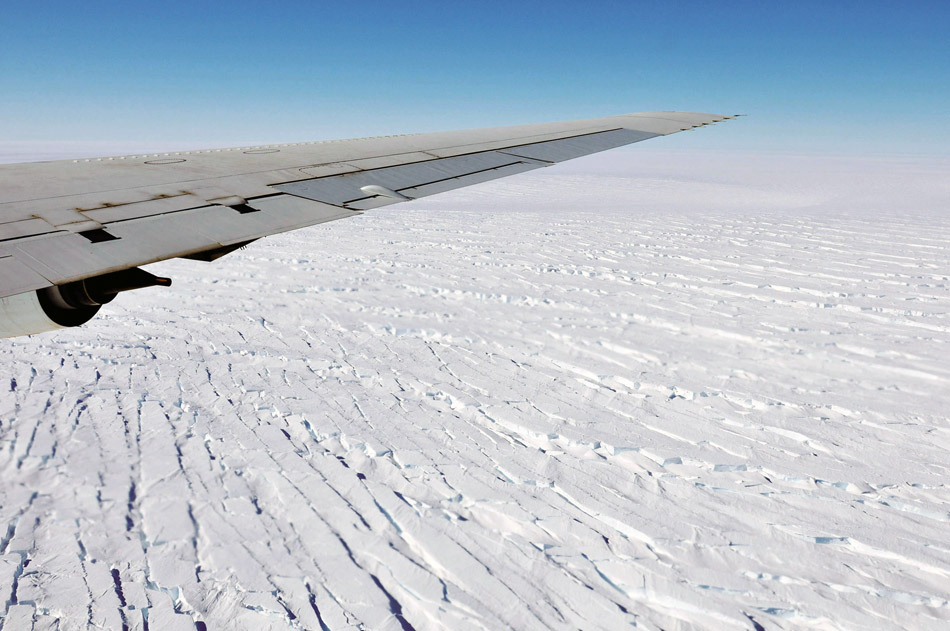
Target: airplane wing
[74, 232]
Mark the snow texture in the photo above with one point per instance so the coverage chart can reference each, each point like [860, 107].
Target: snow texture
[647, 391]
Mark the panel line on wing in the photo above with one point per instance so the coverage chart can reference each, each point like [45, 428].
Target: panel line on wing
[528, 160]
[445, 179]
[436, 158]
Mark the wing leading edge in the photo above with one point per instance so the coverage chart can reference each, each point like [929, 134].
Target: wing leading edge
[65, 221]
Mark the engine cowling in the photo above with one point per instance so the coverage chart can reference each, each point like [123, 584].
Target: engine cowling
[71, 304]
[24, 314]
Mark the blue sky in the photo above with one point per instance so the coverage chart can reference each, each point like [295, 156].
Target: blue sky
[827, 77]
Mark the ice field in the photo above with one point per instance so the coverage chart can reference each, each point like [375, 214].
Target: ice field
[644, 390]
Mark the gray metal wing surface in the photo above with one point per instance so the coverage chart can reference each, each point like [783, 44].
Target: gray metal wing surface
[68, 220]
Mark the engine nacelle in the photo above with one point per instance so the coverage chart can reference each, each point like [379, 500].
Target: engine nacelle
[24, 314]
[71, 304]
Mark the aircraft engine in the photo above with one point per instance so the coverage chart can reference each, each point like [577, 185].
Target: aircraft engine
[71, 304]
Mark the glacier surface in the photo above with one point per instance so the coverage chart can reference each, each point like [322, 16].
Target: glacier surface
[645, 390]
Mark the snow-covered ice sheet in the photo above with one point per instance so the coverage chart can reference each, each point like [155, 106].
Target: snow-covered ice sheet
[576, 399]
